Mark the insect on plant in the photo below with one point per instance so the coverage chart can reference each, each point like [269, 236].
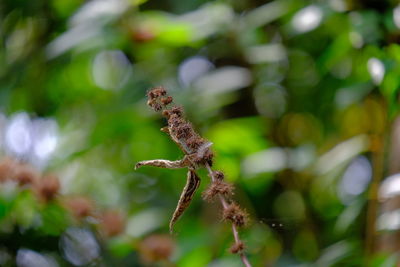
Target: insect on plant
[197, 154]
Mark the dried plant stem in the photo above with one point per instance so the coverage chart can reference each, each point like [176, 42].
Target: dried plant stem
[198, 154]
[234, 228]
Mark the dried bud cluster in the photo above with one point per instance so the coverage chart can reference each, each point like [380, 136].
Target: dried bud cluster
[217, 187]
[236, 215]
[157, 98]
[237, 248]
[181, 131]
[218, 175]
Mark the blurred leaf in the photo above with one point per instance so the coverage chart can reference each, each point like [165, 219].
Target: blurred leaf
[24, 209]
[198, 257]
[120, 246]
[236, 138]
[54, 219]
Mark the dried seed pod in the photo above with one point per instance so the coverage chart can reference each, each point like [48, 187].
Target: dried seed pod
[217, 187]
[218, 175]
[184, 131]
[166, 100]
[237, 248]
[236, 215]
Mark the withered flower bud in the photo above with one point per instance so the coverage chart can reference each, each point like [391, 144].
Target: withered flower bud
[184, 130]
[235, 214]
[237, 248]
[217, 187]
[218, 175]
[166, 100]
[195, 142]
[156, 92]
[177, 110]
[157, 107]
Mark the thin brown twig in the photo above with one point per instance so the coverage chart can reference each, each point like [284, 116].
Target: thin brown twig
[234, 229]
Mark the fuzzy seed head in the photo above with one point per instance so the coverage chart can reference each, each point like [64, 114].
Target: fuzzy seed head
[166, 100]
[217, 187]
[236, 215]
[218, 175]
[156, 99]
[237, 248]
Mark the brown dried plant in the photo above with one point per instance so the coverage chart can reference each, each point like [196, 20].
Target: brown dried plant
[197, 154]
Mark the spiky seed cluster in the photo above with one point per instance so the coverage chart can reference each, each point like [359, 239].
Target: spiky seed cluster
[237, 248]
[219, 175]
[236, 215]
[181, 131]
[217, 187]
[154, 98]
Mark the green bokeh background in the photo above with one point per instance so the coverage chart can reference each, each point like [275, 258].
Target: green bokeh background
[288, 110]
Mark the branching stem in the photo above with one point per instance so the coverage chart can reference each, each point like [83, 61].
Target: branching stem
[234, 228]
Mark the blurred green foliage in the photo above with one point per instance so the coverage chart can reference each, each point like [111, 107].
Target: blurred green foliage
[297, 97]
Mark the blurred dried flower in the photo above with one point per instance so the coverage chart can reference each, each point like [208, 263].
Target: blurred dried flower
[142, 35]
[47, 187]
[7, 168]
[25, 175]
[156, 248]
[112, 223]
[79, 206]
